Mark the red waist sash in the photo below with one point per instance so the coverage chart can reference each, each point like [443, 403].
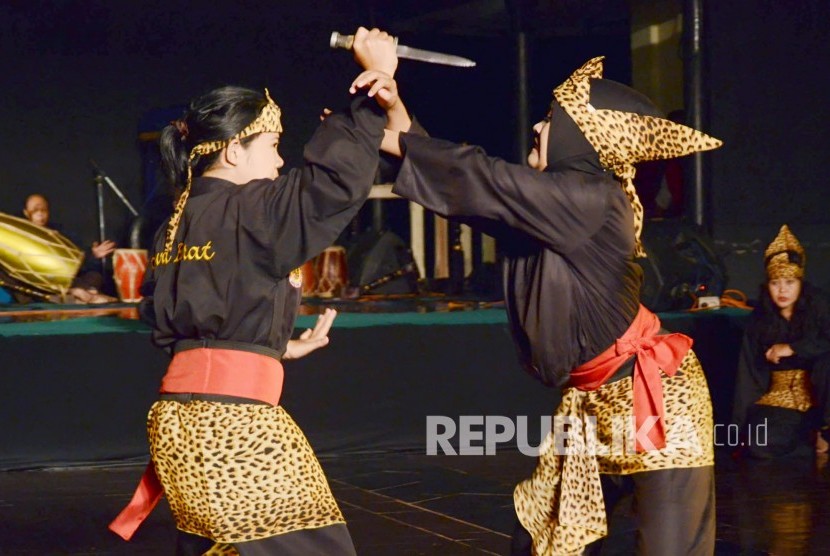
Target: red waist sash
[225, 372]
[228, 372]
[653, 354]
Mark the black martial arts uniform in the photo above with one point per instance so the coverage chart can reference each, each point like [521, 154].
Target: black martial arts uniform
[232, 282]
[572, 289]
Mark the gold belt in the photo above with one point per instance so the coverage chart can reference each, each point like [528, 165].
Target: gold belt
[790, 390]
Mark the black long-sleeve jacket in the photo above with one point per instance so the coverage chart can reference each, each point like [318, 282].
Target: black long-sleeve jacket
[570, 281]
[237, 245]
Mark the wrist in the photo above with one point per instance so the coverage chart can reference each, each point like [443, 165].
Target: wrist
[382, 68]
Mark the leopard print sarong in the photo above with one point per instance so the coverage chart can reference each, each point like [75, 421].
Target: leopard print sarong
[561, 505]
[237, 472]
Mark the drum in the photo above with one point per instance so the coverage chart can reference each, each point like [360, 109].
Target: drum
[128, 271]
[332, 272]
[309, 274]
[39, 257]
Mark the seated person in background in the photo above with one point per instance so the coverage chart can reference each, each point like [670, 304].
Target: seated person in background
[782, 380]
[87, 284]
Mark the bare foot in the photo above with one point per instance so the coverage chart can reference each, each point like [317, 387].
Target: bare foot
[98, 298]
[91, 296]
[81, 295]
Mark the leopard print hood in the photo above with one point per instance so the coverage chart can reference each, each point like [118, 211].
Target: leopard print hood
[621, 126]
[568, 148]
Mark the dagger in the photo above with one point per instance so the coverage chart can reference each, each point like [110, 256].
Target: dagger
[345, 41]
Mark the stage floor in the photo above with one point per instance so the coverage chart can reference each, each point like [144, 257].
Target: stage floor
[400, 504]
[97, 373]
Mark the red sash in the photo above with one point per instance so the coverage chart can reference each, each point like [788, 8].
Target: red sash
[203, 371]
[654, 353]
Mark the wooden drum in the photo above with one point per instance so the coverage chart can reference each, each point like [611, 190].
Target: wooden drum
[39, 257]
[309, 274]
[332, 272]
[128, 266]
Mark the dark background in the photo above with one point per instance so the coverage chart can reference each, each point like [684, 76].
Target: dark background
[768, 67]
[81, 76]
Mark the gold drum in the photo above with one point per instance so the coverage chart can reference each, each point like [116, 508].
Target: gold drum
[39, 257]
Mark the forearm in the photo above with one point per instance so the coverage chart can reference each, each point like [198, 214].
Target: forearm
[340, 166]
[341, 157]
[398, 120]
[310, 206]
[559, 209]
[391, 143]
[398, 117]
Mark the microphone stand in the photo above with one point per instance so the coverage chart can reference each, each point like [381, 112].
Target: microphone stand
[102, 178]
[99, 192]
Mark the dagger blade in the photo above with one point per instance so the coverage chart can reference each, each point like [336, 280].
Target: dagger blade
[433, 57]
[345, 41]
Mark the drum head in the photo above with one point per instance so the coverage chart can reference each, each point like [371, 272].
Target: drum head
[39, 257]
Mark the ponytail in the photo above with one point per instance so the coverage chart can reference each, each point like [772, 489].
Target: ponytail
[190, 145]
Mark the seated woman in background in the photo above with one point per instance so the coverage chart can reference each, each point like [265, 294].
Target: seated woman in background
[87, 285]
[782, 384]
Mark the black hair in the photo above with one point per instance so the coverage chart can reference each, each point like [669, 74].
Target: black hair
[30, 195]
[214, 116]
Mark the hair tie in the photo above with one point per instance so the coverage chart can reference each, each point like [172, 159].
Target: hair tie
[181, 126]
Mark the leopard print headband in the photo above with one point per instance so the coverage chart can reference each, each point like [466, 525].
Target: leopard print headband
[268, 121]
[785, 257]
[623, 139]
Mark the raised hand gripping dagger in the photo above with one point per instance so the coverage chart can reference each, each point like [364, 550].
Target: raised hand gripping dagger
[345, 41]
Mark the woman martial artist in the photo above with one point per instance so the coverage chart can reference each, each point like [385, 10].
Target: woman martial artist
[222, 296]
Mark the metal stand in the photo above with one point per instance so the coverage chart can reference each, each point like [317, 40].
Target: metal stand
[99, 193]
[698, 206]
[100, 179]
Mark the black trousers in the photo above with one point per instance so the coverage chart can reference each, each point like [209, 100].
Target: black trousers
[88, 280]
[332, 540]
[774, 432]
[675, 512]
[820, 379]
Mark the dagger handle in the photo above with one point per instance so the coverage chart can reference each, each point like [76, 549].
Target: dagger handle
[341, 41]
[345, 41]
